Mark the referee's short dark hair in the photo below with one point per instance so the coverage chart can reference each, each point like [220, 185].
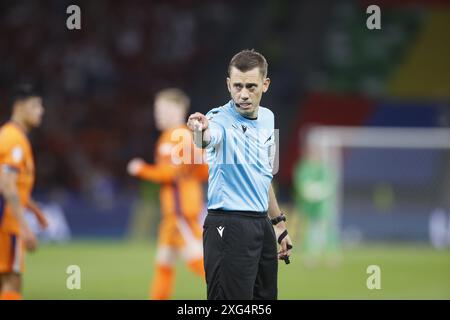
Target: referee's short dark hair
[23, 91]
[247, 60]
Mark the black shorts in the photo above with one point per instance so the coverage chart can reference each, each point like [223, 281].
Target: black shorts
[240, 256]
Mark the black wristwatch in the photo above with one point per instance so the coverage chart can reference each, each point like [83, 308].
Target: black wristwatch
[278, 219]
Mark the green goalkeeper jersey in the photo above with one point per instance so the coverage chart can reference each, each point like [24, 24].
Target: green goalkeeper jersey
[315, 187]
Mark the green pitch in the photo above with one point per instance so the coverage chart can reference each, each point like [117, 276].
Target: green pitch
[122, 270]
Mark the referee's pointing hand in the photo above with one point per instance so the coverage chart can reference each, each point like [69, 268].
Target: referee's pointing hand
[198, 122]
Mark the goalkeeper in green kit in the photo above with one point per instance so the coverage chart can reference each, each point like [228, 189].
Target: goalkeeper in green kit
[315, 194]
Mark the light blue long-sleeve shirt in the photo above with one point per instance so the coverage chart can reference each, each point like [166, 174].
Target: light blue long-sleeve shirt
[240, 156]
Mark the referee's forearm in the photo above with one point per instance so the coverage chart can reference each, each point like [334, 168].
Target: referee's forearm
[202, 139]
[274, 209]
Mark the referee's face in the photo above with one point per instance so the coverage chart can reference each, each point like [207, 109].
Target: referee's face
[246, 89]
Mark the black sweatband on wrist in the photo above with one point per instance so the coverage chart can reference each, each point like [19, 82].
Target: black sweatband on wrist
[278, 219]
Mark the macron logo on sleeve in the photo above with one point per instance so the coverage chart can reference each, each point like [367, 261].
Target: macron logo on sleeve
[220, 229]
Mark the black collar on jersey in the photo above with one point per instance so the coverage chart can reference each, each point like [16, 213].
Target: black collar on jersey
[248, 118]
[234, 108]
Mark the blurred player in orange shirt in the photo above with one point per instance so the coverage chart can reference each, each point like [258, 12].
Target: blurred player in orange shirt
[16, 183]
[180, 170]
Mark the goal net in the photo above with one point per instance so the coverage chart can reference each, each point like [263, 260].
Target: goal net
[392, 184]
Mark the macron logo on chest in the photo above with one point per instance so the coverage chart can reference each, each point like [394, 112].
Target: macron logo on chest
[220, 229]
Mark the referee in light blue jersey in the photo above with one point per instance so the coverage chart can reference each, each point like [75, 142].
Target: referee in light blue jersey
[244, 221]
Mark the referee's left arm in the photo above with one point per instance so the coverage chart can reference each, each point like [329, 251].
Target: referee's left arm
[280, 227]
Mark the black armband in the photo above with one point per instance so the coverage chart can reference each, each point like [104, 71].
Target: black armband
[278, 219]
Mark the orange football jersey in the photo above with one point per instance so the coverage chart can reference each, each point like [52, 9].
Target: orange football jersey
[179, 168]
[15, 154]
